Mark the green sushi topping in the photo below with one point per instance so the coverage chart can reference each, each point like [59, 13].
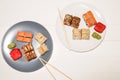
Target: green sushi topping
[11, 45]
[96, 36]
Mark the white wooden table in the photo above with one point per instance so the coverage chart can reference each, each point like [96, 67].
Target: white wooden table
[102, 63]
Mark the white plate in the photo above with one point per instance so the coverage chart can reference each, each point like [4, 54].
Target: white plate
[78, 9]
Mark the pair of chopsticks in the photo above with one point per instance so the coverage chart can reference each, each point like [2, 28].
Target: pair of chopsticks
[45, 63]
[63, 27]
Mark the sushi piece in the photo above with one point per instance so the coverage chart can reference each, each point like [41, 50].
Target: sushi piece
[20, 34]
[29, 52]
[27, 56]
[71, 21]
[25, 49]
[16, 54]
[77, 34]
[28, 34]
[75, 22]
[32, 55]
[85, 31]
[96, 36]
[68, 19]
[28, 40]
[81, 34]
[43, 49]
[89, 19]
[19, 38]
[85, 34]
[38, 35]
[99, 27]
[24, 36]
[29, 47]
[40, 38]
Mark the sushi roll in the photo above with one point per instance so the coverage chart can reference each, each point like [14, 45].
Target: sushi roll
[75, 22]
[68, 19]
[43, 49]
[28, 40]
[28, 34]
[29, 46]
[27, 56]
[85, 34]
[29, 52]
[24, 36]
[77, 34]
[89, 19]
[25, 49]
[40, 38]
[32, 55]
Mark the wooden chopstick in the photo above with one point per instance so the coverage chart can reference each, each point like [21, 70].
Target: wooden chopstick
[63, 27]
[47, 69]
[56, 68]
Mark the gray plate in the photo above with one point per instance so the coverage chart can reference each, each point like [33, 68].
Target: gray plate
[22, 64]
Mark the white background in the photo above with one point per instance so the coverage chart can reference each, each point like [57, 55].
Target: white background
[102, 63]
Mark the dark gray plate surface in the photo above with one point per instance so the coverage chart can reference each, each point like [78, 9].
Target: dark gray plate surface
[22, 64]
